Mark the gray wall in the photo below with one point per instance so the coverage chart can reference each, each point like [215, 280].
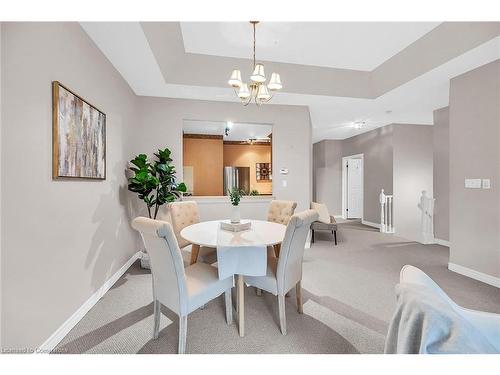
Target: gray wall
[413, 165]
[318, 161]
[327, 169]
[397, 158]
[61, 239]
[475, 153]
[441, 141]
[161, 125]
[377, 148]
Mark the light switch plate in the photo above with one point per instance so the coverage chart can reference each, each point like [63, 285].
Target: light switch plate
[473, 183]
[486, 183]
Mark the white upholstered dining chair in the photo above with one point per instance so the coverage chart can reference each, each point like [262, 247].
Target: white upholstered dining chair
[285, 272]
[182, 290]
[488, 324]
[279, 212]
[183, 214]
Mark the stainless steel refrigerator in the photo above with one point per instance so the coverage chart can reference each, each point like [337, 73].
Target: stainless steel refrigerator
[238, 177]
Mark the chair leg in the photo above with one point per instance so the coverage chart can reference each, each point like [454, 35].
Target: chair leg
[156, 313]
[312, 235]
[298, 293]
[281, 308]
[182, 334]
[277, 249]
[229, 306]
[335, 236]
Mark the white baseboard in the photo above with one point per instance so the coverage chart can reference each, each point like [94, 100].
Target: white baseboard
[370, 224]
[442, 242]
[338, 216]
[68, 325]
[473, 274]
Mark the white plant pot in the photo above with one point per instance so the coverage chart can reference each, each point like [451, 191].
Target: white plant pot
[235, 215]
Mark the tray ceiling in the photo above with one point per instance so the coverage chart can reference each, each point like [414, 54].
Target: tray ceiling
[345, 45]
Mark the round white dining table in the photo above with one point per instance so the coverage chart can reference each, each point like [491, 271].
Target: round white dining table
[261, 233]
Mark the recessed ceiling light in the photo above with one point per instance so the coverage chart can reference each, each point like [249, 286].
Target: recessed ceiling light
[227, 128]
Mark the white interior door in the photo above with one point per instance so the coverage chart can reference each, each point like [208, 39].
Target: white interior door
[355, 188]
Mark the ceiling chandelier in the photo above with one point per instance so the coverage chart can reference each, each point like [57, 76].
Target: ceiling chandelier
[256, 90]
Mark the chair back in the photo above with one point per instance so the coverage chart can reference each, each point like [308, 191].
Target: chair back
[324, 215]
[167, 266]
[183, 214]
[281, 211]
[289, 270]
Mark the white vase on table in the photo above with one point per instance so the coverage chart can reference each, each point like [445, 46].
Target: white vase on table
[235, 215]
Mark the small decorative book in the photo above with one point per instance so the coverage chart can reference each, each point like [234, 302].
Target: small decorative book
[235, 227]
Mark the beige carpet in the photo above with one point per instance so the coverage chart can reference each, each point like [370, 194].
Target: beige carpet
[348, 302]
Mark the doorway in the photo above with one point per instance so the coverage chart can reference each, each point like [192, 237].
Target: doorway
[352, 186]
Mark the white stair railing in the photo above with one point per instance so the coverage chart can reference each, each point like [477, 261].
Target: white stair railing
[386, 213]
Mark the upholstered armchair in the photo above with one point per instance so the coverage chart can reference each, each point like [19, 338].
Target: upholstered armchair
[285, 272]
[182, 290]
[325, 222]
[183, 214]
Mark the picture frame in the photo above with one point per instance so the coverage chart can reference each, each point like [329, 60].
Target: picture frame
[263, 171]
[78, 136]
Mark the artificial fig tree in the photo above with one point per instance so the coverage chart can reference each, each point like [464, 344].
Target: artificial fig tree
[155, 183]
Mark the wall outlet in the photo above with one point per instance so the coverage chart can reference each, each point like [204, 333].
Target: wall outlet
[284, 183]
[473, 183]
[486, 183]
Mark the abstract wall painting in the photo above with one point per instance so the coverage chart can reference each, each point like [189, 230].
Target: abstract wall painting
[78, 136]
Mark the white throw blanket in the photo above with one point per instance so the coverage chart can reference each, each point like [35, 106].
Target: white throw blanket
[427, 324]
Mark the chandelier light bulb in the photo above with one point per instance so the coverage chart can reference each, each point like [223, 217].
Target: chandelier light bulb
[235, 79]
[258, 74]
[244, 92]
[275, 82]
[263, 93]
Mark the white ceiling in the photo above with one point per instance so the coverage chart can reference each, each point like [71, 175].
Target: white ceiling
[347, 45]
[238, 131]
[126, 46]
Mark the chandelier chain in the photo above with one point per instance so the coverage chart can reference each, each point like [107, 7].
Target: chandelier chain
[254, 44]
